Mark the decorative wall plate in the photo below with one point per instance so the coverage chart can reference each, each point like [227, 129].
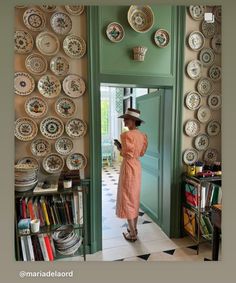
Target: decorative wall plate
[196, 40]
[29, 160]
[64, 145]
[23, 83]
[204, 114]
[51, 127]
[193, 100]
[36, 107]
[24, 42]
[190, 156]
[74, 46]
[49, 86]
[207, 56]
[61, 23]
[34, 19]
[36, 64]
[192, 128]
[25, 129]
[197, 12]
[40, 147]
[59, 66]
[53, 163]
[215, 72]
[194, 69]
[210, 155]
[47, 43]
[214, 101]
[48, 8]
[204, 86]
[208, 29]
[201, 142]
[75, 10]
[73, 86]
[76, 161]
[161, 38]
[216, 43]
[115, 32]
[217, 13]
[213, 128]
[140, 18]
[76, 128]
[65, 107]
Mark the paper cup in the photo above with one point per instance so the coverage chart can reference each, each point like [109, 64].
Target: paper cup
[35, 225]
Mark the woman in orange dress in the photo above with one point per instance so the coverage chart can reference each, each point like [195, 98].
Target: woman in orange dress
[133, 145]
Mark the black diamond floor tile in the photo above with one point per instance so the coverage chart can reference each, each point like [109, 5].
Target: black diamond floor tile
[170, 252]
[145, 257]
[146, 222]
[141, 213]
[193, 247]
[112, 200]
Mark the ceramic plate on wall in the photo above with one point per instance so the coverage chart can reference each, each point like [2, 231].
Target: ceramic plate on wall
[73, 86]
[214, 101]
[34, 19]
[61, 23]
[204, 114]
[115, 32]
[49, 86]
[28, 160]
[74, 46]
[47, 43]
[210, 155]
[51, 127]
[25, 129]
[64, 145]
[161, 38]
[213, 128]
[204, 86]
[208, 29]
[36, 107]
[65, 107]
[192, 128]
[207, 56]
[48, 8]
[40, 147]
[76, 161]
[190, 156]
[59, 66]
[201, 142]
[194, 69]
[36, 64]
[53, 163]
[216, 43]
[197, 12]
[24, 42]
[215, 72]
[193, 100]
[196, 40]
[217, 13]
[75, 10]
[76, 128]
[23, 83]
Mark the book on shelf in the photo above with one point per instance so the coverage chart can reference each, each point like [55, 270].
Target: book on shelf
[189, 221]
[51, 189]
[30, 246]
[23, 248]
[48, 247]
[43, 247]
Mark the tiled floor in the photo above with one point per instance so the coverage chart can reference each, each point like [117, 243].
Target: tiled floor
[152, 243]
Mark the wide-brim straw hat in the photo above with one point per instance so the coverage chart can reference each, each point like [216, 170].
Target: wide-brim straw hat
[133, 114]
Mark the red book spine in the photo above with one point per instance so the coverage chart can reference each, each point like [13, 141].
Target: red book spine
[24, 214]
[49, 248]
[31, 211]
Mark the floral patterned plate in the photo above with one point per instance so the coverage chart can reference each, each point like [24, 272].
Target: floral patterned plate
[190, 156]
[215, 72]
[216, 43]
[59, 66]
[40, 147]
[74, 46]
[214, 101]
[23, 83]
[75, 10]
[194, 69]
[204, 114]
[210, 155]
[36, 107]
[73, 86]
[48, 8]
[36, 64]
[34, 19]
[207, 56]
[49, 86]
[47, 43]
[197, 12]
[196, 40]
[64, 145]
[204, 86]
[161, 38]
[29, 160]
[76, 128]
[193, 100]
[201, 142]
[53, 163]
[25, 129]
[213, 128]
[115, 32]
[76, 161]
[61, 23]
[192, 128]
[65, 107]
[24, 42]
[208, 29]
[217, 13]
[51, 127]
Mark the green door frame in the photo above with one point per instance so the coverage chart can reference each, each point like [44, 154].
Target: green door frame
[95, 79]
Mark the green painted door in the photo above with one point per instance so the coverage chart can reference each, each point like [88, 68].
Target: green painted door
[154, 111]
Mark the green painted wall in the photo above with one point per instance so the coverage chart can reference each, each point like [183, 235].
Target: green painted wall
[117, 58]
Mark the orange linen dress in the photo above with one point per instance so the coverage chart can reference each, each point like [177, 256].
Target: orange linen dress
[134, 144]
